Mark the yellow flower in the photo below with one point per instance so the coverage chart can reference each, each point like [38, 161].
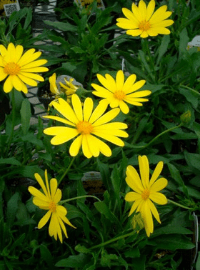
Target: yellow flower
[146, 192]
[68, 88]
[48, 200]
[144, 22]
[118, 92]
[86, 125]
[20, 68]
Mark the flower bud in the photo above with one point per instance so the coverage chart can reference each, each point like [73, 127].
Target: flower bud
[186, 117]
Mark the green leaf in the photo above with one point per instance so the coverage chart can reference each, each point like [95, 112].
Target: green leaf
[163, 47]
[172, 242]
[62, 26]
[184, 39]
[74, 261]
[82, 249]
[104, 210]
[193, 160]
[25, 115]
[191, 97]
[12, 161]
[116, 180]
[12, 207]
[198, 262]
[47, 256]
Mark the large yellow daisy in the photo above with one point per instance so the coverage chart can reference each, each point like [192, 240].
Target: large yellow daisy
[86, 126]
[48, 200]
[20, 68]
[144, 22]
[146, 192]
[118, 93]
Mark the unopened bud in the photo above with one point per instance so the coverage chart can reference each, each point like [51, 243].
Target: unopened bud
[186, 117]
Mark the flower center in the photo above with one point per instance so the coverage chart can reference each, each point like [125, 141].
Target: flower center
[144, 26]
[84, 127]
[52, 206]
[145, 194]
[119, 95]
[12, 68]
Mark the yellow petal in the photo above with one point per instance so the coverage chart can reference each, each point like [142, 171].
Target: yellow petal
[87, 108]
[123, 107]
[8, 86]
[34, 64]
[128, 83]
[107, 117]
[119, 80]
[108, 82]
[63, 134]
[154, 210]
[150, 9]
[156, 172]
[3, 50]
[128, 14]
[159, 15]
[147, 217]
[144, 170]
[36, 69]
[110, 138]
[127, 24]
[101, 91]
[135, 206]
[59, 119]
[75, 146]
[44, 220]
[18, 52]
[134, 33]
[158, 198]
[133, 179]
[85, 147]
[76, 103]
[3, 75]
[61, 210]
[27, 80]
[37, 193]
[132, 196]
[53, 187]
[137, 14]
[32, 76]
[143, 9]
[98, 112]
[16, 82]
[142, 93]
[159, 184]
[57, 196]
[41, 183]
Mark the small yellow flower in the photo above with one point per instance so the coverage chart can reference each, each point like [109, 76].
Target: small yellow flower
[144, 22]
[48, 200]
[146, 191]
[86, 126]
[20, 68]
[118, 93]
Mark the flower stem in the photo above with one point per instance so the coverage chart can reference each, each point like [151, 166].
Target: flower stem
[13, 121]
[113, 240]
[151, 61]
[80, 197]
[72, 161]
[191, 89]
[159, 135]
[180, 205]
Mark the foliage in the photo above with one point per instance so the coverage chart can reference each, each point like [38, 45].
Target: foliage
[167, 128]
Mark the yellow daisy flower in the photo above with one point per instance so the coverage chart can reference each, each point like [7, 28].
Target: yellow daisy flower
[20, 68]
[146, 192]
[144, 22]
[118, 92]
[48, 200]
[68, 88]
[86, 125]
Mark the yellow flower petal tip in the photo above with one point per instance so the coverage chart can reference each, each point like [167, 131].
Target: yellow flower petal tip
[145, 192]
[86, 126]
[143, 21]
[49, 200]
[20, 69]
[118, 92]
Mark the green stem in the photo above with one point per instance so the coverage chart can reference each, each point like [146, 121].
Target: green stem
[80, 197]
[113, 240]
[72, 161]
[159, 135]
[146, 46]
[191, 89]
[13, 121]
[180, 205]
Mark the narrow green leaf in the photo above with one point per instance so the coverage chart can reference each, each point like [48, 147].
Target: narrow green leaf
[184, 39]
[25, 115]
[62, 26]
[12, 161]
[74, 261]
[12, 207]
[163, 47]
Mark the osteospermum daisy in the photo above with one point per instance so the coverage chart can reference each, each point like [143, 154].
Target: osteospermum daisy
[19, 68]
[144, 22]
[86, 126]
[146, 192]
[48, 200]
[118, 93]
